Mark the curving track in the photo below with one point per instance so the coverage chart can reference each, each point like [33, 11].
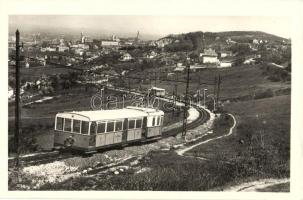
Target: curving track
[203, 117]
[58, 155]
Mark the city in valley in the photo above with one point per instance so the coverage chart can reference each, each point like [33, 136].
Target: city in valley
[109, 109]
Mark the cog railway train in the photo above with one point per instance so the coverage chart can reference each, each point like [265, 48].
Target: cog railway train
[92, 130]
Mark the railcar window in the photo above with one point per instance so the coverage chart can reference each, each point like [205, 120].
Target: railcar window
[161, 121]
[101, 128]
[84, 127]
[76, 126]
[158, 121]
[118, 125]
[131, 124]
[93, 127]
[110, 127]
[68, 125]
[59, 125]
[138, 123]
[154, 120]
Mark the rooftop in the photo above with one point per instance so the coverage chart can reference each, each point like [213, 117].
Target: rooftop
[98, 115]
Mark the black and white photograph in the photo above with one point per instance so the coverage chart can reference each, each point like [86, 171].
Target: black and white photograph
[138, 102]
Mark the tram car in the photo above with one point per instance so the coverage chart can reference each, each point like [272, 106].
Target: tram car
[157, 91]
[92, 130]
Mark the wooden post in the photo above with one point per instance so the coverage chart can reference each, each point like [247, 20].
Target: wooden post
[186, 103]
[17, 99]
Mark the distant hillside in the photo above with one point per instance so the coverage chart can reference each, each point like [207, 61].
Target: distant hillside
[199, 39]
[250, 35]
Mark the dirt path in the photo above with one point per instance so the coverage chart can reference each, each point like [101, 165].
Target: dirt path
[182, 151]
[254, 186]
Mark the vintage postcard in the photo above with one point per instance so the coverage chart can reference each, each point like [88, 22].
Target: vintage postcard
[141, 100]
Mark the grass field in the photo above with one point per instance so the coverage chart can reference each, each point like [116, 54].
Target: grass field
[260, 147]
[236, 82]
[31, 74]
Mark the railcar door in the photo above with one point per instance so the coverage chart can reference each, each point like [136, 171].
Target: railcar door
[125, 129]
[144, 128]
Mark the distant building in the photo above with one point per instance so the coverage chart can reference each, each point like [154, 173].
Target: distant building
[79, 51]
[82, 38]
[150, 55]
[108, 43]
[115, 38]
[255, 41]
[209, 59]
[123, 73]
[225, 64]
[63, 48]
[83, 46]
[126, 57]
[249, 61]
[223, 54]
[209, 56]
[179, 69]
[164, 41]
[49, 49]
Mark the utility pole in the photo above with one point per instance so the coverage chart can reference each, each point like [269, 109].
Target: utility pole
[129, 85]
[186, 103]
[17, 98]
[219, 85]
[150, 83]
[175, 98]
[155, 73]
[215, 84]
[204, 96]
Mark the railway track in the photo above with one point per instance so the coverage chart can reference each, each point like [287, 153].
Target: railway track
[44, 158]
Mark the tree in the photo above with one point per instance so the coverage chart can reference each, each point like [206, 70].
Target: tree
[241, 49]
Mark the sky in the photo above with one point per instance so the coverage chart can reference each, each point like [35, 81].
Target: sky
[151, 26]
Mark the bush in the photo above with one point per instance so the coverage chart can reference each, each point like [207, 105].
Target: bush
[275, 74]
[264, 94]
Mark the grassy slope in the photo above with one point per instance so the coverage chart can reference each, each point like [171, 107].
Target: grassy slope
[236, 81]
[32, 74]
[260, 147]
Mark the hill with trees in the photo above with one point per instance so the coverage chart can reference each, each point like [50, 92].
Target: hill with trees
[193, 41]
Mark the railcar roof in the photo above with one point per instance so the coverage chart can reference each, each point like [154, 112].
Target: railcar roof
[98, 115]
[156, 88]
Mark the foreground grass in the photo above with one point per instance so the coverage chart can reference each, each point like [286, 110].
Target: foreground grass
[283, 187]
[260, 147]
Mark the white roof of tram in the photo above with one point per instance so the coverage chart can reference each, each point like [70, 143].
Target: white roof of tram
[99, 115]
[159, 89]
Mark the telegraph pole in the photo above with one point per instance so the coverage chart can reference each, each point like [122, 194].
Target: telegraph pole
[17, 98]
[128, 85]
[219, 85]
[215, 84]
[155, 73]
[186, 103]
[175, 98]
[150, 83]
